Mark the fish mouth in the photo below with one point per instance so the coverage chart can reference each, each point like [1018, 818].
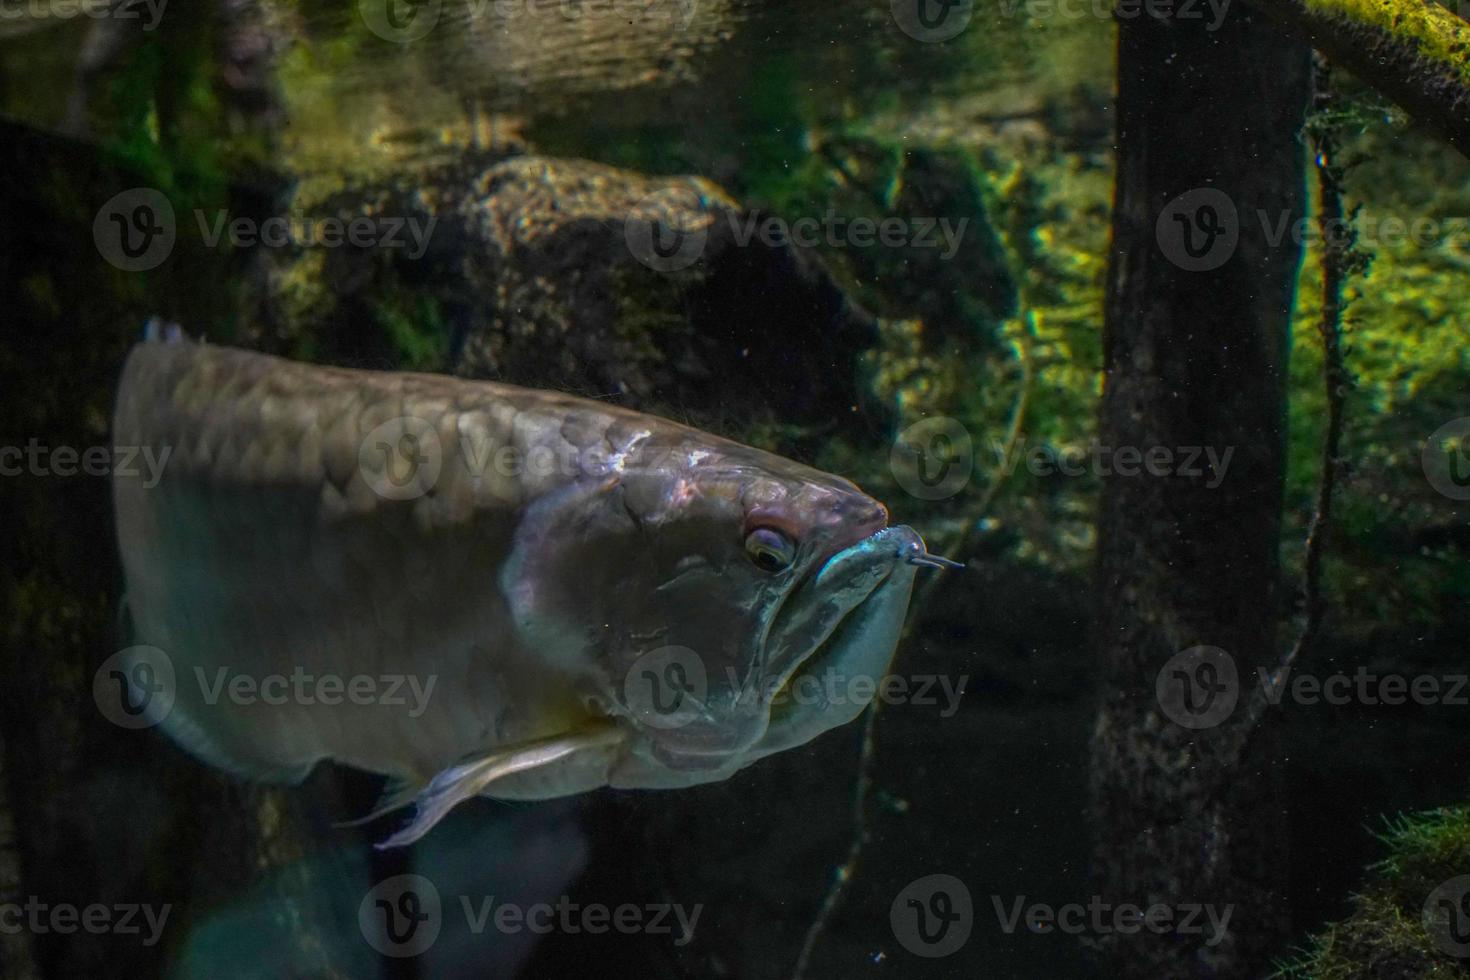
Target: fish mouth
[810, 630]
[845, 583]
[820, 692]
[785, 703]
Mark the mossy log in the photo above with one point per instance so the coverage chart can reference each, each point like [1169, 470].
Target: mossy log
[1416, 52]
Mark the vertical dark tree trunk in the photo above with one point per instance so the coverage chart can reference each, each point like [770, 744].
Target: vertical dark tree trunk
[1195, 356]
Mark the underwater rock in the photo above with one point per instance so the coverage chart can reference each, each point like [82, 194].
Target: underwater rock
[662, 293]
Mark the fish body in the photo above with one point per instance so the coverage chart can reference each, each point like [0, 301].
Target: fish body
[575, 594]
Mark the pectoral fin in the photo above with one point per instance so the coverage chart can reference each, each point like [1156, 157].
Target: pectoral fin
[398, 794]
[470, 778]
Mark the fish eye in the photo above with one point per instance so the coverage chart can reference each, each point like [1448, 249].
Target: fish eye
[771, 550]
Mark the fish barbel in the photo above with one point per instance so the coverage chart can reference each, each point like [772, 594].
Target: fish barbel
[580, 594]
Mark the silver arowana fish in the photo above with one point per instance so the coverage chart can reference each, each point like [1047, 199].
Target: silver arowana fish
[598, 597]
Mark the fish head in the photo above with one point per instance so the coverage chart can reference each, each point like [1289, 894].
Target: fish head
[709, 582]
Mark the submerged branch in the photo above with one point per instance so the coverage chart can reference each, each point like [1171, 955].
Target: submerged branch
[1339, 260]
[845, 870]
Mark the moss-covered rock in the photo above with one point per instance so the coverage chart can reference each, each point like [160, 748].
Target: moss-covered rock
[548, 273]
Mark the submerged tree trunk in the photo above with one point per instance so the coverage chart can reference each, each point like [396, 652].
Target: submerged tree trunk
[1210, 173]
